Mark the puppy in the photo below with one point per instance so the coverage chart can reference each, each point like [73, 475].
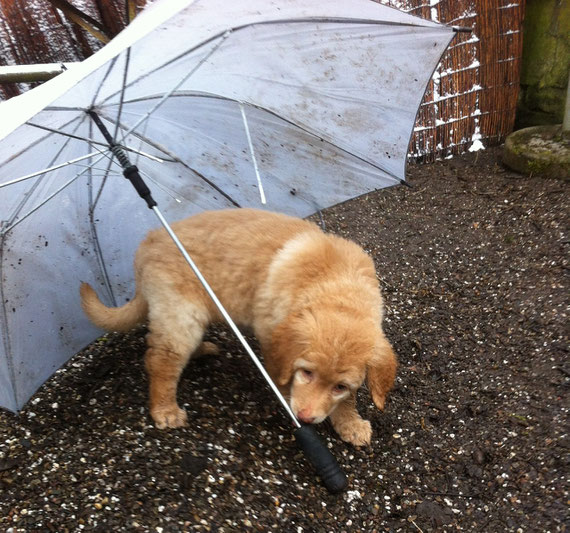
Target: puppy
[312, 300]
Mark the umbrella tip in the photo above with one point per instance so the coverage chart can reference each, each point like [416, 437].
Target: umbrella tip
[458, 29]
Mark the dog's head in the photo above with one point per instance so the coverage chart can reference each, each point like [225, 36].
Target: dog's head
[323, 356]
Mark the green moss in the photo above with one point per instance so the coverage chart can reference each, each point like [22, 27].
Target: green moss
[537, 167]
[517, 148]
[545, 66]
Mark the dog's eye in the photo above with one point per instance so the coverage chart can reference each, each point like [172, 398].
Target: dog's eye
[339, 388]
[307, 373]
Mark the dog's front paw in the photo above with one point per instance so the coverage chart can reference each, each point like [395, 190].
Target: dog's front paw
[357, 432]
[169, 417]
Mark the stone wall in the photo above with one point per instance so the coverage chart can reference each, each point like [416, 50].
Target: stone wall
[546, 62]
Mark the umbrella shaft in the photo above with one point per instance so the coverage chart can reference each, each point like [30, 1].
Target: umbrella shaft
[226, 315]
[101, 126]
[114, 147]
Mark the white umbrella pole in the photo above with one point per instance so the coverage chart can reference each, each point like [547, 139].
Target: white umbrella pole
[225, 314]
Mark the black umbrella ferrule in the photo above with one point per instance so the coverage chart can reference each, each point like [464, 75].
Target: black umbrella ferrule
[458, 29]
[130, 171]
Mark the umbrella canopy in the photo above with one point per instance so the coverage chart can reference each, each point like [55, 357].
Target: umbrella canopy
[288, 105]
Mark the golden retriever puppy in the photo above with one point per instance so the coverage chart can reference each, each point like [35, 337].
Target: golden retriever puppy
[312, 300]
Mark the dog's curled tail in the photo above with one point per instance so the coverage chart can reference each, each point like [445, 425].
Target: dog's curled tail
[122, 318]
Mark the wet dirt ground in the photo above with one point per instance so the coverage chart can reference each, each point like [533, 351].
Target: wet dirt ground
[473, 261]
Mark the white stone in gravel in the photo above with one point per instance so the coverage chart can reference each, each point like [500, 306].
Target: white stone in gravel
[353, 495]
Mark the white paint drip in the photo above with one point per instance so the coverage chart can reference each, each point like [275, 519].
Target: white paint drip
[476, 138]
[476, 146]
[433, 10]
[471, 40]
[466, 15]
[450, 71]
[440, 98]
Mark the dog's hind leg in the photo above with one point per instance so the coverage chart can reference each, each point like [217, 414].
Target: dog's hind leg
[176, 329]
[206, 348]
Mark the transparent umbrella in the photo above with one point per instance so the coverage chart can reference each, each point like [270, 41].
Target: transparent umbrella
[288, 105]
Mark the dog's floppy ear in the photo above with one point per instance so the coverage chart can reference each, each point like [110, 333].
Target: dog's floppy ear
[289, 342]
[282, 351]
[381, 372]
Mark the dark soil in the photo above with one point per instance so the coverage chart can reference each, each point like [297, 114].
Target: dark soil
[474, 438]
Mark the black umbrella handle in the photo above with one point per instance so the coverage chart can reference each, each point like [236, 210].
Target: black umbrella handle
[319, 456]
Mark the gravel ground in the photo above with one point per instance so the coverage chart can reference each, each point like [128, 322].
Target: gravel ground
[474, 438]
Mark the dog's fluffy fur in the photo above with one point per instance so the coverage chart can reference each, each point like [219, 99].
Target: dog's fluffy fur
[312, 300]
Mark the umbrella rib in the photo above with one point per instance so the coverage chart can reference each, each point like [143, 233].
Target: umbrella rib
[105, 171]
[292, 123]
[110, 161]
[168, 190]
[252, 152]
[94, 142]
[187, 127]
[324, 20]
[49, 169]
[30, 191]
[95, 236]
[109, 69]
[70, 135]
[185, 165]
[195, 172]
[333, 144]
[13, 224]
[167, 95]
[122, 98]
[38, 141]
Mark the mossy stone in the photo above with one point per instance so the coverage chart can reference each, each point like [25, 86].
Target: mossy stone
[540, 150]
